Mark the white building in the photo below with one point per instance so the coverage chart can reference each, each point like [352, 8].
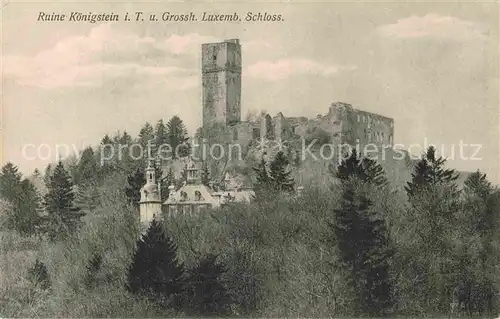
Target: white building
[191, 198]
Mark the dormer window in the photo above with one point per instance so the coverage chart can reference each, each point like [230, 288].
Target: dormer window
[183, 196]
[197, 196]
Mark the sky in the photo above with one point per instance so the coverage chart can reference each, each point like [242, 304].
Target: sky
[431, 67]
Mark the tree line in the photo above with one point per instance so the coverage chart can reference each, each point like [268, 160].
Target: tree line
[431, 248]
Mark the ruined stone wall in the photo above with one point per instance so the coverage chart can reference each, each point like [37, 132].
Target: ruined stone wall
[369, 128]
[221, 79]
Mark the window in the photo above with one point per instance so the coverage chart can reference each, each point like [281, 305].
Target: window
[197, 196]
[235, 134]
[358, 118]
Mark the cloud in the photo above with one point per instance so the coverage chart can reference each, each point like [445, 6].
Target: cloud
[284, 68]
[106, 54]
[433, 25]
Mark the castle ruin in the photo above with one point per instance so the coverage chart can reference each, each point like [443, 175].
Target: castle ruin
[221, 99]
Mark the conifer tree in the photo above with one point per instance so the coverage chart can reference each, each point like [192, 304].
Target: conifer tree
[263, 181]
[155, 271]
[364, 248]
[146, 134]
[39, 275]
[205, 174]
[135, 183]
[28, 219]
[106, 149]
[177, 137]
[281, 178]
[23, 197]
[87, 196]
[63, 218]
[482, 216]
[87, 169]
[47, 174]
[362, 235]
[365, 169]
[205, 293]
[430, 170]
[161, 139]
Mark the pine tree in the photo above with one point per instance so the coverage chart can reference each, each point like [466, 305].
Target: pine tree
[87, 196]
[47, 174]
[429, 170]
[30, 203]
[39, 276]
[205, 174]
[10, 183]
[155, 271]
[363, 245]
[23, 197]
[160, 140]
[108, 161]
[63, 218]
[205, 293]
[87, 169]
[482, 215]
[280, 178]
[177, 137]
[263, 184]
[365, 169]
[146, 134]
[135, 183]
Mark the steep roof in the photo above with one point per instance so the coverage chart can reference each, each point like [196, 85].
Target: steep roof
[191, 198]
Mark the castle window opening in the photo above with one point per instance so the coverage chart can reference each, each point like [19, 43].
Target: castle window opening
[358, 118]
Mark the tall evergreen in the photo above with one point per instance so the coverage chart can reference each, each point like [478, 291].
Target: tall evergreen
[87, 196]
[87, 169]
[28, 219]
[362, 235]
[23, 197]
[160, 140]
[365, 169]
[364, 248]
[281, 178]
[146, 134]
[205, 174]
[47, 174]
[429, 170]
[205, 293]
[177, 137]
[262, 179]
[482, 216]
[108, 160]
[155, 271]
[62, 217]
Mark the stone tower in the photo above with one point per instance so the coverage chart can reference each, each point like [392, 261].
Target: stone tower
[221, 72]
[150, 203]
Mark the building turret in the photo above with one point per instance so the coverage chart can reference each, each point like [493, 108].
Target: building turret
[150, 203]
[193, 173]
